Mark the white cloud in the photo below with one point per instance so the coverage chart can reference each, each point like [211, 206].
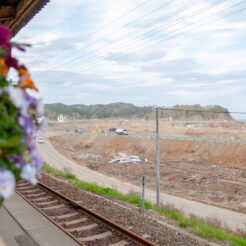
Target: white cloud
[76, 37]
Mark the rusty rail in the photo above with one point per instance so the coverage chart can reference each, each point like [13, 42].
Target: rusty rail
[131, 235]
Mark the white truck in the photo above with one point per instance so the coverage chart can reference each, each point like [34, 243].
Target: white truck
[40, 140]
[121, 131]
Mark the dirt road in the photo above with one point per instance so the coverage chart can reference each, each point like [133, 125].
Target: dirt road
[231, 219]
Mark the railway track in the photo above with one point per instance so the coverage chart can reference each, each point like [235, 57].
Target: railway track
[83, 225]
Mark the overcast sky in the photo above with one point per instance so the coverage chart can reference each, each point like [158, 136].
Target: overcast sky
[154, 52]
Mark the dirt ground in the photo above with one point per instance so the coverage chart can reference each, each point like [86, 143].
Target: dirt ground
[213, 173]
[208, 128]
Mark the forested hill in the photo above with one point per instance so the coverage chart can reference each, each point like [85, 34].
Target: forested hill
[126, 110]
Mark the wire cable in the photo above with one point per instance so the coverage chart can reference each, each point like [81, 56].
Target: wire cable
[129, 23]
[178, 34]
[89, 55]
[182, 33]
[110, 23]
[165, 26]
[152, 33]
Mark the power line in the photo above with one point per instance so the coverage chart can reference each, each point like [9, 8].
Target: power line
[182, 33]
[110, 23]
[152, 33]
[115, 31]
[166, 26]
[143, 35]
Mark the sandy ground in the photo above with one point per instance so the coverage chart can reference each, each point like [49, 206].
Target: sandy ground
[213, 173]
[209, 128]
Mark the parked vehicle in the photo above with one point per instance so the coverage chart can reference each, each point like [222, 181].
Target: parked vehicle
[121, 131]
[77, 131]
[40, 140]
[112, 129]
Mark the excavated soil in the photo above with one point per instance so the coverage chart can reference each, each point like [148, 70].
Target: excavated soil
[213, 173]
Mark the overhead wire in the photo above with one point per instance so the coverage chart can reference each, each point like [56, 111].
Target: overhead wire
[152, 33]
[149, 25]
[166, 26]
[110, 23]
[178, 34]
[127, 24]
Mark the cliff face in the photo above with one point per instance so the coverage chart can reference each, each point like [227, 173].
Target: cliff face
[126, 110]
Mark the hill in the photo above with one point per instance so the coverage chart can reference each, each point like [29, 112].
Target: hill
[127, 110]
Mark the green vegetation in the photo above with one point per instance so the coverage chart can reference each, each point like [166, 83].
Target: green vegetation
[127, 110]
[197, 226]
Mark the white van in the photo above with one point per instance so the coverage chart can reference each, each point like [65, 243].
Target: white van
[40, 140]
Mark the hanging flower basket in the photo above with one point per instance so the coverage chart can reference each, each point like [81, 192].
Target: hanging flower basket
[19, 121]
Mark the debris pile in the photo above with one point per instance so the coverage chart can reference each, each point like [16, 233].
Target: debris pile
[124, 158]
[89, 156]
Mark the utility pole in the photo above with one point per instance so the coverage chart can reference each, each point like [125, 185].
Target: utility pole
[157, 158]
[143, 179]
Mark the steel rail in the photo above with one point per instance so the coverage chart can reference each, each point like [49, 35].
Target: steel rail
[131, 235]
[49, 218]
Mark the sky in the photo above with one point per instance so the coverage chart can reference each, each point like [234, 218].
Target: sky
[154, 52]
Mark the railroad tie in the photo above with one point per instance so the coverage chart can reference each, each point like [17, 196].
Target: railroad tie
[45, 203]
[26, 190]
[95, 237]
[120, 243]
[83, 228]
[39, 199]
[39, 194]
[65, 216]
[24, 186]
[54, 207]
[73, 222]
[27, 187]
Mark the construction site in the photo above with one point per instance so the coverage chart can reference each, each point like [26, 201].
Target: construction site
[201, 161]
[123, 123]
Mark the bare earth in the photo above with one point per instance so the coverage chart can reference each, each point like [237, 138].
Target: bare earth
[213, 173]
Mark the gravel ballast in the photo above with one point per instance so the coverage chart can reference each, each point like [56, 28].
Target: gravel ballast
[150, 225]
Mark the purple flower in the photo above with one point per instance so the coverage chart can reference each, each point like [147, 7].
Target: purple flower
[29, 174]
[26, 124]
[37, 162]
[18, 160]
[32, 100]
[7, 183]
[5, 36]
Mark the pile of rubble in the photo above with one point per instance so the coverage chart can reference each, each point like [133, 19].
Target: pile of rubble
[124, 158]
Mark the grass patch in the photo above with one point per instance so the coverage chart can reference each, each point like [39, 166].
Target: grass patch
[197, 226]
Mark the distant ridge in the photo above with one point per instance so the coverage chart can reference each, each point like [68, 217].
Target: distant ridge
[127, 110]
